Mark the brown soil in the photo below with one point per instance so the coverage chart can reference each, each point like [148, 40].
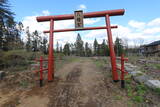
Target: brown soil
[82, 84]
[77, 84]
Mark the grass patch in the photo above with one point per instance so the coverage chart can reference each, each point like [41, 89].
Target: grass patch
[24, 83]
[136, 91]
[129, 90]
[136, 94]
[138, 99]
[157, 90]
[65, 59]
[141, 89]
[72, 59]
[157, 66]
[18, 59]
[100, 62]
[144, 71]
[129, 103]
[118, 97]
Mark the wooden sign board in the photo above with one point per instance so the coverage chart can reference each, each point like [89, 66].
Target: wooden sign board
[78, 17]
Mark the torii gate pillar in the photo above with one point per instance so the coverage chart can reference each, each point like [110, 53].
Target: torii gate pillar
[51, 56]
[111, 49]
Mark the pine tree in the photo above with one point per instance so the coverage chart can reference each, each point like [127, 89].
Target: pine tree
[18, 32]
[88, 51]
[79, 46]
[44, 45]
[28, 44]
[99, 50]
[57, 48]
[61, 50]
[73, 48]
[66, 49]
[95, 44]
[118, 46]
[104, 48]
[107, 53]
[7, 24]
[9, 35]
[35, 41]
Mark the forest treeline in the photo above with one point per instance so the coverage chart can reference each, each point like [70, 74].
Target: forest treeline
[80, 48]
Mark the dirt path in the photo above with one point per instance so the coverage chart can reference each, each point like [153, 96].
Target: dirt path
[82, 84]
[77, 84]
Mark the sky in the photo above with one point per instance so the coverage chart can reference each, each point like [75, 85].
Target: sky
[139, 25]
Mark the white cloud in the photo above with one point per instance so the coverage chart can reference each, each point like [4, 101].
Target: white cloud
[33, 24]
[153, 30]
[121, 31]
[64, 24]
[45, 12]
[136, 24]
[147, 34]
[65, 37]
[96, 34]
[155, 22]
[70, 23]
[91, 21]
[133, 36]
[82, 7]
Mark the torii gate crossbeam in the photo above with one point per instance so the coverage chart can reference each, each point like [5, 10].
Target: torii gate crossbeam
[108, 27]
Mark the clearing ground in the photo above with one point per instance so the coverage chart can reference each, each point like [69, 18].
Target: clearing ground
[77, 84]
[82, 84]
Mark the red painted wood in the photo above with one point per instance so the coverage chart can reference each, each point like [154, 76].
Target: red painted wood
[87, 28]
[86, 15]
[50, 56]
[111, 50]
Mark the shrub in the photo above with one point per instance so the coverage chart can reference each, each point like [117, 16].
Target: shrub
[157, 90]
[17, 58]
[139, 99]
[14, 58]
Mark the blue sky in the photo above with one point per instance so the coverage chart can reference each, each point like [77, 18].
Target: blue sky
[136, 21]
[142, 10]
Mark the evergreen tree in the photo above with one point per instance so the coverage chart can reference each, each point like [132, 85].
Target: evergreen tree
[36, 41]
[61, 50]
[73, 48]
[7, 24]
[28, 44]
[107, 53]
[88, 51]
[44, 46]
[79, 46]
[104, 49]
[99, 50]
[95, 45]
[57, 48]
[66, 49]
[5, 12]
[118, 46]
[18, 32]
[12, 37]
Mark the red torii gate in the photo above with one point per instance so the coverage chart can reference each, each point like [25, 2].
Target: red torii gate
[108, 27]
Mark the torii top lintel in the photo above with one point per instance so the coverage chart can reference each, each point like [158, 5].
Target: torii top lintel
[86, 15]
